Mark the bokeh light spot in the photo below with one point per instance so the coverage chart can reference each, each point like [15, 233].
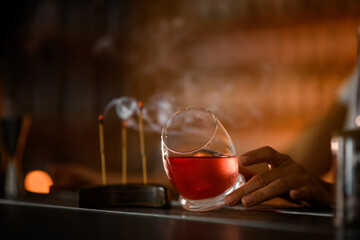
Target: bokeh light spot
[38, 182]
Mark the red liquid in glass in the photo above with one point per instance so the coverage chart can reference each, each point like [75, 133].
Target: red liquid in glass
[202, 177]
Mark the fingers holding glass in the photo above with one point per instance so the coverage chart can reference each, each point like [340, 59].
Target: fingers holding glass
[283, 176]
[262, 187]
[263, 155]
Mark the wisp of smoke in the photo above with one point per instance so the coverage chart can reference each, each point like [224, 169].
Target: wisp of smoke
[156, 112]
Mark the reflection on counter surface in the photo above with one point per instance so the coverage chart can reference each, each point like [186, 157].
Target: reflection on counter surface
[276, 219]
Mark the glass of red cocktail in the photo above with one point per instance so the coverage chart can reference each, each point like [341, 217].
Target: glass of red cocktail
[199, 159]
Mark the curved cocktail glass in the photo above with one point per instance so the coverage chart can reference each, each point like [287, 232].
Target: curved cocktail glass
[199, 159]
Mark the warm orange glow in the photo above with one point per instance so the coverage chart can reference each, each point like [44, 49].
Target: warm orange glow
[38, 182]
[140, 103]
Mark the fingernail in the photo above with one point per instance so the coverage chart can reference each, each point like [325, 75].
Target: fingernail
[247, 201]
[231, 199]
[294, 194]
[244, 159]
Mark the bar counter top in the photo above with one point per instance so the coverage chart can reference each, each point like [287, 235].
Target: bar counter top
[54, 217]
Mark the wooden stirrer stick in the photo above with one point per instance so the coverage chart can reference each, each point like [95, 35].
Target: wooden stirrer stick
[124, 153]
[102, 151]
[142, 143]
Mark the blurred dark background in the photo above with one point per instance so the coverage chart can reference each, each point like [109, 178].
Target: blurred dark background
[266, 68]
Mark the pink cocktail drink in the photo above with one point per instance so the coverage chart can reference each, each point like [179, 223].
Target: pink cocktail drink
[198, 178]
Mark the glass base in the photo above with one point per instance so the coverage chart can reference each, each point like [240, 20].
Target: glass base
[210, 203]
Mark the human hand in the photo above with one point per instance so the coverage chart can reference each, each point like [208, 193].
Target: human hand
[284, 176]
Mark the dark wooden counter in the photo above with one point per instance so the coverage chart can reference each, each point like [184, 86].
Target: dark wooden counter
[52, 217]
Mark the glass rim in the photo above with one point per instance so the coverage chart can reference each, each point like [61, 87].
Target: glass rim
[187, 109]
